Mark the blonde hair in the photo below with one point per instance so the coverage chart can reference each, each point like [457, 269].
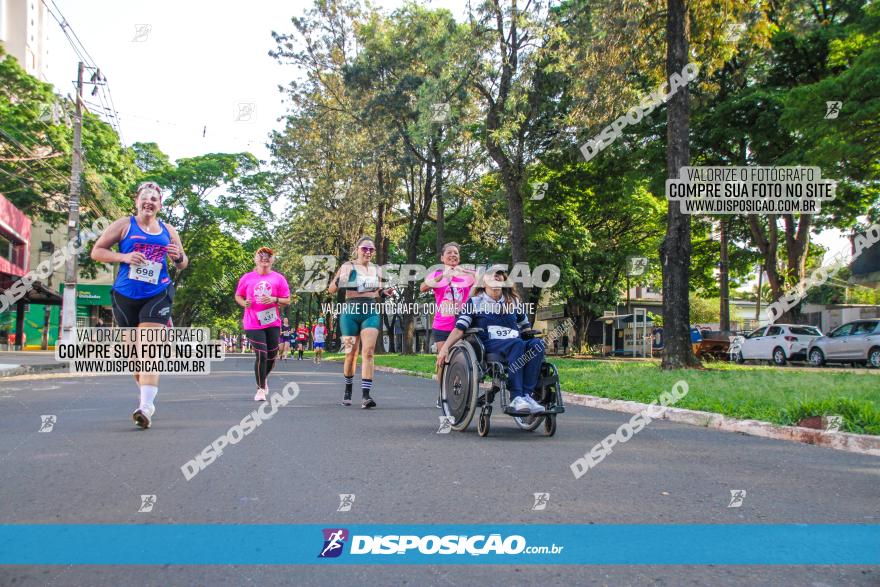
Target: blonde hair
[357, 245]
[149, 185]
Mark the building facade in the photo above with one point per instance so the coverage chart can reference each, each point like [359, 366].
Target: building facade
[24, 26]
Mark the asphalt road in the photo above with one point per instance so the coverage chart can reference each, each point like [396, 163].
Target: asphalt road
[94, 465]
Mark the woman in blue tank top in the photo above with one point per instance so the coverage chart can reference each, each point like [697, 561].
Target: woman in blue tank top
[142, 293]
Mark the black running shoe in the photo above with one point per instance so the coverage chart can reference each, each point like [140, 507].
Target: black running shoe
[346, 401]
[368, 403]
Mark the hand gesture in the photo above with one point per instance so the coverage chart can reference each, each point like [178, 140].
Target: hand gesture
[174, 251]
[134, 258]
[441, 357]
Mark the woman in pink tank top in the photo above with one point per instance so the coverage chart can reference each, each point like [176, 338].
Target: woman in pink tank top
[452, 288]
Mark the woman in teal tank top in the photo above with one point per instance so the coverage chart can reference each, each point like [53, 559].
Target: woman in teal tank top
[359, 320]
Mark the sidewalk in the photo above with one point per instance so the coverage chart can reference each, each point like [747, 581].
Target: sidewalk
[26, 362]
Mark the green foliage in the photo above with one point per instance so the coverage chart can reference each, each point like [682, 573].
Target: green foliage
[782, 396]
[860, 417]
[704, 311]
[220, 205]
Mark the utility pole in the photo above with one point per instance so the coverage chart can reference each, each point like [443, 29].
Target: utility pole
[47, 309]
[758, 305]
[724, 279]
[68, 306]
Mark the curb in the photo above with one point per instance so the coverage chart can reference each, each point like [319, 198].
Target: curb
[846, 441]
[32, 369]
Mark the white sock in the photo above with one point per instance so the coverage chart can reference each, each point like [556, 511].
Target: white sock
[148, 394]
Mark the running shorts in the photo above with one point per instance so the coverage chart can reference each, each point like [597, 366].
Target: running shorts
[317, 345]
[440, 335]
[129, 312]
[359, 314]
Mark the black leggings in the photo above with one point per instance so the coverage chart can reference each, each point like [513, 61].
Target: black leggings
[264, 341]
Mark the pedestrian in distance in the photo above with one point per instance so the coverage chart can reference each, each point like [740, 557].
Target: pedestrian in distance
[286, 334]
[319, 336]
[302, 339]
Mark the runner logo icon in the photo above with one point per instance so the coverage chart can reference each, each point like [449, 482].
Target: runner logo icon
[334, 540]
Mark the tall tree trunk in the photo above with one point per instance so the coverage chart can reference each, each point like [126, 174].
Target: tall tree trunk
[438, 193]
[675, 252]
[724, 280]
[380, 260]
[423, 195]
[516, 227]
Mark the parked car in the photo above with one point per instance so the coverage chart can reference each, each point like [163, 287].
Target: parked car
[854, 342]
[715, 344]
[779, 343]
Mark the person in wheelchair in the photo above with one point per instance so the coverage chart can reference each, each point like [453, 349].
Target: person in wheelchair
[495, 307]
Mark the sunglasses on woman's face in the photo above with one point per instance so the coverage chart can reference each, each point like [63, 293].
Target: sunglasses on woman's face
[368, 249]
[264, 257]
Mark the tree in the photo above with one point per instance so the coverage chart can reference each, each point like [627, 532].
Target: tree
[592, 217]
[704, 310]
[675, 252]
[35, 151]
[520, 49]
[220, 205]
[818, 53]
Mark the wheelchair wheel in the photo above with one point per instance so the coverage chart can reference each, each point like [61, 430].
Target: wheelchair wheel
[483, 421]
[550, 425]
[459, 385]
[528, 423]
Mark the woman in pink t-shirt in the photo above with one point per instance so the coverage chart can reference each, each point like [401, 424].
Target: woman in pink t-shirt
[452, 288]
[262, 293]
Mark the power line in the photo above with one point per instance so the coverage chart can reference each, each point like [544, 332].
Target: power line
[102, 193]
[30, 153]
[83, 54]
[32, 187]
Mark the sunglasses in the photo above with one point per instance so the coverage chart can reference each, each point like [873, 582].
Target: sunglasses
[265, 257]
[368, 249]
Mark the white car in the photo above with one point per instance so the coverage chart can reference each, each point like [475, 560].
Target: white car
[779, 343]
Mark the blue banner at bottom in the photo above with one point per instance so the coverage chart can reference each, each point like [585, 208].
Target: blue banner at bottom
[256, 544]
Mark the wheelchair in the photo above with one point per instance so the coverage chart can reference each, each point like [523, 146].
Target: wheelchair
[468, 364]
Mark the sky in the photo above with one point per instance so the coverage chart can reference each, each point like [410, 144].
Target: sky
[179, 69]
[182, 69]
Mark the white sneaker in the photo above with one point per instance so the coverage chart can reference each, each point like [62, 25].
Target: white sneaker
[520, 405]
[535, 408]
[260, 396]
[143, 416]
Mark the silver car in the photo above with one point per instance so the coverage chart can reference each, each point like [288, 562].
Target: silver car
[854, 342]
